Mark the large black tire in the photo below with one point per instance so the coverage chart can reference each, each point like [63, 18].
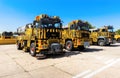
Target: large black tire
[19, 46]
[69, 45]
[118, 40]
[32, 49]
[25, 48]
[101, 42]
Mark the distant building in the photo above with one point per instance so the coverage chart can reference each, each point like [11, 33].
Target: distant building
[21, 29]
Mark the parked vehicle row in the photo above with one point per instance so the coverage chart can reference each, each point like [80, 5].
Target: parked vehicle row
[47, 35]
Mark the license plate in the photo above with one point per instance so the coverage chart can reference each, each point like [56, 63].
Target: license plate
[86, 44]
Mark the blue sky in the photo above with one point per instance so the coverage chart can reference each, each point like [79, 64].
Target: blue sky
[16, 13]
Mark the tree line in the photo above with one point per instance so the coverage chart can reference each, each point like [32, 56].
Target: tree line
[90, 26]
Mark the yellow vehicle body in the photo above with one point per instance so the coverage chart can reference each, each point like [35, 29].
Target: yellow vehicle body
[74, 36]
[102, 36]
[42, 37]
[7, 39]
[117, 37]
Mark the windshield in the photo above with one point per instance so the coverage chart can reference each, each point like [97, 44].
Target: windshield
[110, 30]
[48, 25]
[79, 27]
[84, 28]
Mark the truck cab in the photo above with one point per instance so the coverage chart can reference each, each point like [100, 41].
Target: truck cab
[76, 35]
[102, 36]
[44, 36]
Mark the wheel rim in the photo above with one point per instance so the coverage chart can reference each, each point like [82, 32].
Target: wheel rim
[32, 50]
[101, 43]
[68, 46]
[23, 45]
[18, 45]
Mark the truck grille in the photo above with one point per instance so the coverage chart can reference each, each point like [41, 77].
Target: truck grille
[52, 35]
[85, 35]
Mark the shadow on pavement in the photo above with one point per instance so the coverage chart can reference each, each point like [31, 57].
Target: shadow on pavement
[92, 50]
[115, 45]
[66, 54]
[71, 53]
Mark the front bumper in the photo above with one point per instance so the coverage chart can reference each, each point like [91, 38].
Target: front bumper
[54, 48]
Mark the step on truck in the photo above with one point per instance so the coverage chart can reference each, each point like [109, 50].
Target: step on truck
[102, 36]
[76, 35]
[43, 36]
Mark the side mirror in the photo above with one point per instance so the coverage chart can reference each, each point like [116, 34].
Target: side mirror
[34, 22]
